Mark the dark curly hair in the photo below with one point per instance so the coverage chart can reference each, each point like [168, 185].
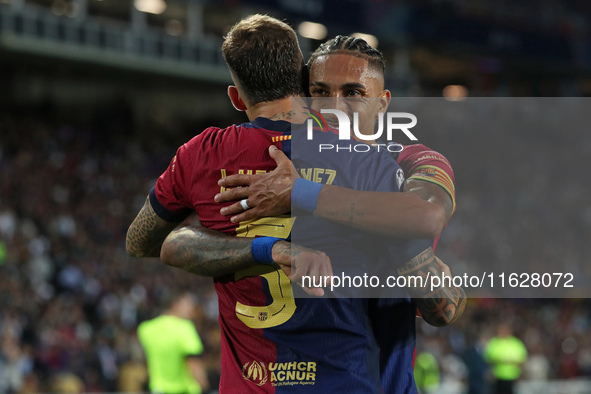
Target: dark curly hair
[353, 46]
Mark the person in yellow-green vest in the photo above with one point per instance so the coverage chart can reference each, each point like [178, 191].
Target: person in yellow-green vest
[426, 373]
[506, 354]
[172, 348]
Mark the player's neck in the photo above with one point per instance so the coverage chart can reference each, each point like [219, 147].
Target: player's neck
[290, 109]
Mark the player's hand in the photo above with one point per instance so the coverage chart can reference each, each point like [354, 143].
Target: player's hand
[443, 267]
[266, 194]
[297, 261]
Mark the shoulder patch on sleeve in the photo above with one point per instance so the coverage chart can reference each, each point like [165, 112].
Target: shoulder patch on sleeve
[436, 175]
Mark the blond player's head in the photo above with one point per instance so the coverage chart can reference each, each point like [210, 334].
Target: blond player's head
[264, 58]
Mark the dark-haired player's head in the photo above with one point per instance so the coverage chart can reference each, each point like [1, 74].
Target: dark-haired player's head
[265, 60]
[352, 46]
[348, 67]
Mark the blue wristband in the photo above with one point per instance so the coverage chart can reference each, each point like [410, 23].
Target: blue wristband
[304, 194]
[262, 249]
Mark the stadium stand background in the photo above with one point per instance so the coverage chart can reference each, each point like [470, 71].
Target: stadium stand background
[96, 96]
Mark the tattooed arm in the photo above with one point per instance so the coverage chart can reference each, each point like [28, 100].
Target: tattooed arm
[147, 232]
[192, 247]
[443, 305]
[202, 251]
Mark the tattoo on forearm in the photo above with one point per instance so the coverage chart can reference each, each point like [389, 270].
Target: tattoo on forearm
[285, 248]
[206, 252]
[442, 306]
[352, 212]
[344, 217]
[145, 237]
[418, 264]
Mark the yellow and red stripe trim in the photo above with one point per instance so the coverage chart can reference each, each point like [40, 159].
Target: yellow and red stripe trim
[281, 138]
[438, 176]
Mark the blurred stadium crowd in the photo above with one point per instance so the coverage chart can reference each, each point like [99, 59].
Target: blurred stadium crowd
[71, 299]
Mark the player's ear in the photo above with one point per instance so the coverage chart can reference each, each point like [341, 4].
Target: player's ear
[385, 97]
[235, 98]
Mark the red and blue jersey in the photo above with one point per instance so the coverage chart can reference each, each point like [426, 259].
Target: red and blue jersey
[273, 342]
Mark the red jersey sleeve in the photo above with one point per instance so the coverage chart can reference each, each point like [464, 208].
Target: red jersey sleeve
[169, 198]
[419, 162]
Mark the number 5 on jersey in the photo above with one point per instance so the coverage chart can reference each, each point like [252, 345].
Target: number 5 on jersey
[283, 305]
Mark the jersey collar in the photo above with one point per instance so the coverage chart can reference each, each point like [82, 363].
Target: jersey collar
[274, 125]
